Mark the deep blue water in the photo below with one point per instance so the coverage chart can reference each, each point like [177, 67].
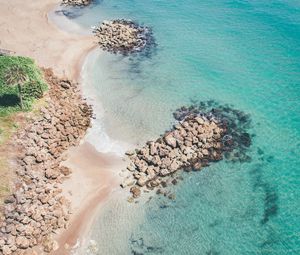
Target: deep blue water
[243, 53]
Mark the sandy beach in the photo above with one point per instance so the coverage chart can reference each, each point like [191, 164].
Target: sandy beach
[32, 34]
[94, 177]
[25, 29]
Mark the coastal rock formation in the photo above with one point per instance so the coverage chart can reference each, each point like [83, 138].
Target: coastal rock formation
[77, 2]
[36, 209]
[237, 139]
[191, 144]
[123, 36]
[204, 133]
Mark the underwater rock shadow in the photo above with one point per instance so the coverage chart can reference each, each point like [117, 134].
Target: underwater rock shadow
[270, 195]
[138, 247]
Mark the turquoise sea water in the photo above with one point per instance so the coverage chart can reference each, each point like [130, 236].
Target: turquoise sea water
[243, 53]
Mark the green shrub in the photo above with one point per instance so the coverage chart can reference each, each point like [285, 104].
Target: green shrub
[33, 88]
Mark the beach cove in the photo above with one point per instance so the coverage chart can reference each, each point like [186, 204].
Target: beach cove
[227, 57]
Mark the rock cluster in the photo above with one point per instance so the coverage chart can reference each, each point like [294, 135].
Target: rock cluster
[36, 209]
[192, 143]
[123, 36]
[76, 2]
[237, 139]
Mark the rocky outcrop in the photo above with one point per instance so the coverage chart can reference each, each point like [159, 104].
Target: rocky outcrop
[237, 139]
[123, 36]
[205, 132]
[76, 2]
[191, 144]
[37, 209]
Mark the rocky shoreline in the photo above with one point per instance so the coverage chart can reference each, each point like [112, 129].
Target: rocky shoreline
[123, 36]
[37, 209]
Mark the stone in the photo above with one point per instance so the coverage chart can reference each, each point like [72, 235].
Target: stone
[50, 245]
[153, 149]
[130, 200]
[172, 196]
[22, 242]
[65, 170]
[45, 136]
[129, 153]
[197, 165]
[205, 152]
[142, 181]
[175, 154]
[164, 184]
[131, 167]
[163, 152]
[153, 183]
[65, 84]
[174, 182]
[136, 192]
[28, 160]
[6, 250]
[156, 161]
[2, 242]
[188, 143]
[127, 182]
[166, 162]
[52, 173]
[141, 165]
[174, 166]
[150, 172]
[9, 200]
[199, 120]
[40, 158]
[170, 140]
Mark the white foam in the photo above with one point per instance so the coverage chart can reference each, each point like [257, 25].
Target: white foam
[97, 134]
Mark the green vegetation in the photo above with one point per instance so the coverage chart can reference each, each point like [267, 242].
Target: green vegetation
[21, 83]
[16, 76]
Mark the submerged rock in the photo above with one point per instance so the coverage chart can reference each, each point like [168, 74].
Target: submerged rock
[136, 192]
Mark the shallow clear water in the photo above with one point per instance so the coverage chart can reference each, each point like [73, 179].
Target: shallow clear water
[244, 53]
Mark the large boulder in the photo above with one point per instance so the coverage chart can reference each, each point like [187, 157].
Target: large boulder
[170, 140]
[164, 172]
